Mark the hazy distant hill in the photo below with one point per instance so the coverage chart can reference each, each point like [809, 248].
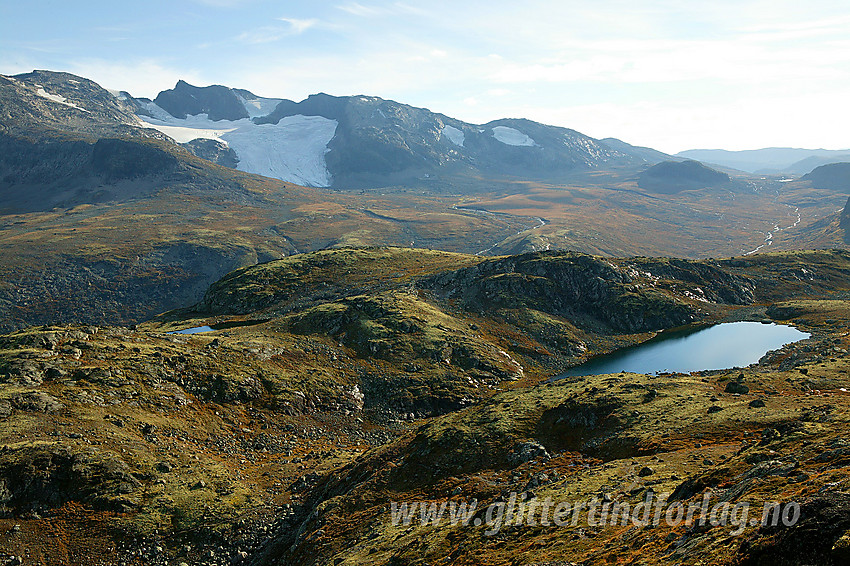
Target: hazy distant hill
[763, 161]
[809, 164]
[834, 176]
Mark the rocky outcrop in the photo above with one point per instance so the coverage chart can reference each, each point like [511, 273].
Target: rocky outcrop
[213, 150]
[586, 288]
[52, 475]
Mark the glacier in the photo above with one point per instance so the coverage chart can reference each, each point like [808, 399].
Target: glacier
[292, 150]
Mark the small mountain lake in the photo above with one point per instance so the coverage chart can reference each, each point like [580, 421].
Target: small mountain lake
[195, 330]
[733, 344]
[220, 326]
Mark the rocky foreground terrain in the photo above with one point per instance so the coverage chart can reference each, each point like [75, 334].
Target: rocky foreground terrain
[337, 382]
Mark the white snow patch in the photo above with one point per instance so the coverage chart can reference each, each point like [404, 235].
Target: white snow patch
[510, 136]
[292, 150]
[56, 98]
[259, 106]
[184, 134]
[454, 135]
[158, 112]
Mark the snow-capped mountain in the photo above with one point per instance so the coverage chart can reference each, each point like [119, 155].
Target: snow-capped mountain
[322, 141]
[357, 141]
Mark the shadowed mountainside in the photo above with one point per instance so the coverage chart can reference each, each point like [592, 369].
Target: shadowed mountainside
[674, 176]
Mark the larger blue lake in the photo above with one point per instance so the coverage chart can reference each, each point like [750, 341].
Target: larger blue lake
[734, 344]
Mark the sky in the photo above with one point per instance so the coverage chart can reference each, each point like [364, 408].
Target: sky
[672, 75]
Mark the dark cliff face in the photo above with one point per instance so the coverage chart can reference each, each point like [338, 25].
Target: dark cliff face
[844, 222]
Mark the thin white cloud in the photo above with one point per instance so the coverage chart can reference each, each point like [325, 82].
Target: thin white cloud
[276, 32]
[358, 9]
[298, 26]
[374, 10]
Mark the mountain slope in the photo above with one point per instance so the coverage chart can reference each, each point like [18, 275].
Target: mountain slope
[651, 156]
[831, 231]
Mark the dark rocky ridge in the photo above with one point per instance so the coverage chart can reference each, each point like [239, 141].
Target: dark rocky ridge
[587, 288]
[218, 102]
[608, 294]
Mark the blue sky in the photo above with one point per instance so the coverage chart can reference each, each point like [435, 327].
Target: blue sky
[672, 75]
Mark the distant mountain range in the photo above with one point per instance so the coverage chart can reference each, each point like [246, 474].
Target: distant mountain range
[366, 141]
[769, 161]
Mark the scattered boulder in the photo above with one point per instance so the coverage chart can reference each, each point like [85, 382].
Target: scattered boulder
[5, 408]
[737, 387]
[646, 471]
[527, 451]
[36, 402]
[818, 537]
